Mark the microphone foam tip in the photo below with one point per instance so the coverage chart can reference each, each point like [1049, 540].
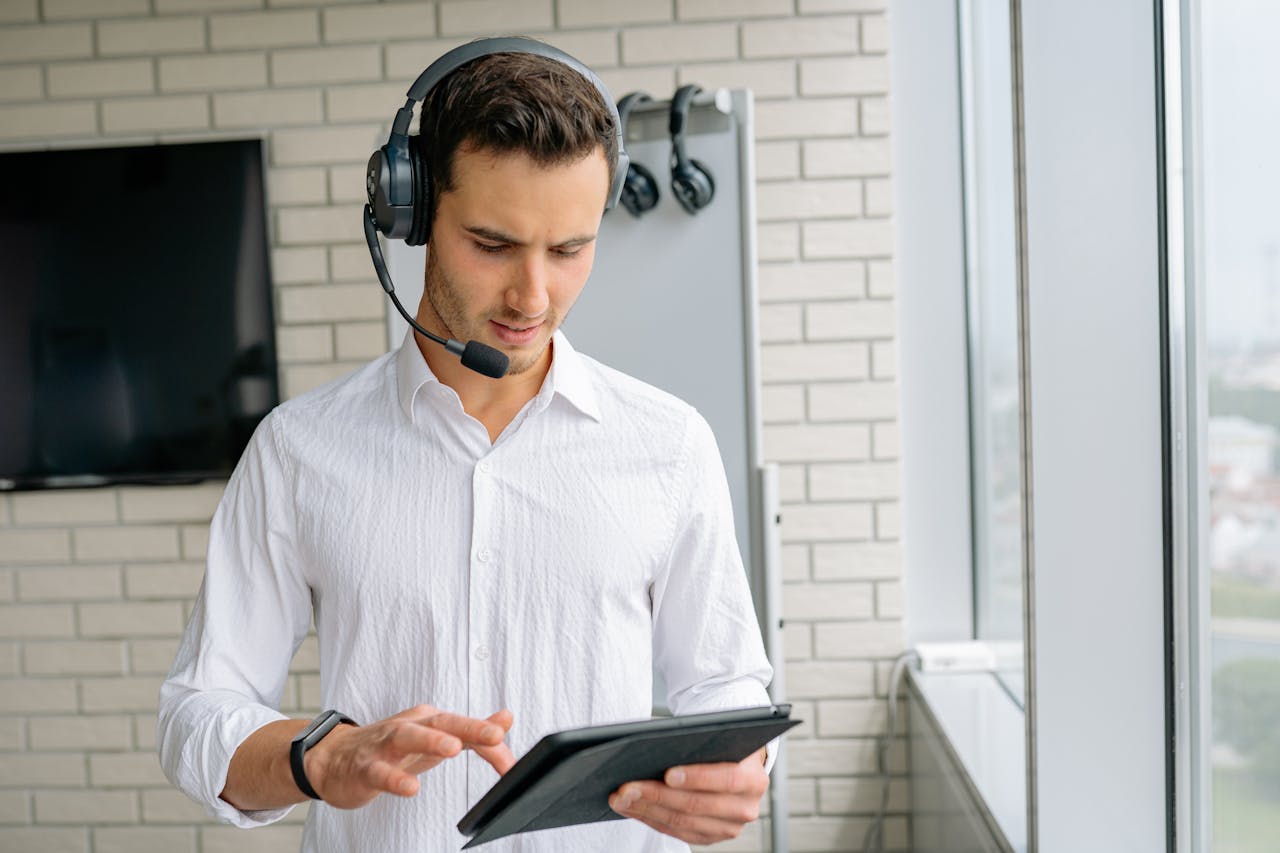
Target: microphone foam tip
[485, 360]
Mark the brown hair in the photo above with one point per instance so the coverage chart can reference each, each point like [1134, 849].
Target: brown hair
[513, 102]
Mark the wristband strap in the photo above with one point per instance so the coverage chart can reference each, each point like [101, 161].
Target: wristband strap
[309, 737]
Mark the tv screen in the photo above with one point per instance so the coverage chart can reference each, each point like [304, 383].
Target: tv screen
[137, 339]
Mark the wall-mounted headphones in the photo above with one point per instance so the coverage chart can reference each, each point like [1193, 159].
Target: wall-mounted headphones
[691, 181]
[399, 186]
[640, 189]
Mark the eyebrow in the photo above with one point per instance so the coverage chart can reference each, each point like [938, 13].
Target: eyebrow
[498, 237]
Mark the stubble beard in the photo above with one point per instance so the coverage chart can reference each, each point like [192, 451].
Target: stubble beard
[445, 298]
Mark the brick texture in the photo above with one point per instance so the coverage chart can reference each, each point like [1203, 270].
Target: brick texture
[58, 9]
[264, 29]
[112, 77]
[149, 115]
[64, 507]
[683, 43]
[800, 37]
[144, 840]
[45, 121]
[267, 109]
[463, 17]
[21, 84]
[80, 732]
[157, 35]
[54, 41]
[19, 11]
[374, 23]
[210, 73]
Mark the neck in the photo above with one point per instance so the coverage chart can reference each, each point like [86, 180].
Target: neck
[493, 402]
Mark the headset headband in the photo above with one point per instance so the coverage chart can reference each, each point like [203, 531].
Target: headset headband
[461, 55]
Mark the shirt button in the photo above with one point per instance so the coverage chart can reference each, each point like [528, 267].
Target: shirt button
[483, 555]
[482, 652]
[484, 467]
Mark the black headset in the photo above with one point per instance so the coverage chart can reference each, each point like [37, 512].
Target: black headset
[397, 182]
[640, 189]
[691, 181]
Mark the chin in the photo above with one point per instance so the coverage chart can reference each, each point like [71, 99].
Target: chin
[524, 359]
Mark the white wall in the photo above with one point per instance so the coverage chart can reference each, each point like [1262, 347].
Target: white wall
[94, 585]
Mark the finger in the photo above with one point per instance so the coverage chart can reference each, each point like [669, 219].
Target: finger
[417, 712]
[734, 808]
[385, 776]
[732, 778]
[417, 762]
[467, 729]
[408, 739]
[689, 817]
[499, 757]
[687, 836]
[503, 718]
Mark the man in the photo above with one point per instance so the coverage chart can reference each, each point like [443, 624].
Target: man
[519, 552]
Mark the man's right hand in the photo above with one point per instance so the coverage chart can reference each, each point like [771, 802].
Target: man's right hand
[354, 764]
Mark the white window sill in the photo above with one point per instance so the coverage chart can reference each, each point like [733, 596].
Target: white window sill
[985, 730]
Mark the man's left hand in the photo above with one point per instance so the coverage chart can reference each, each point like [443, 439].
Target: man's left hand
[698, 803]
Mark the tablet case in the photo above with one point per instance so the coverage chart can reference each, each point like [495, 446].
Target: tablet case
[575, 786]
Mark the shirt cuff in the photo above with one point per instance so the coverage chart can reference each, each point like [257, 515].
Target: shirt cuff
[197, 747]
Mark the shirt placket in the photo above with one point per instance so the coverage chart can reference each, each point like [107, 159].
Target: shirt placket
[482, 633]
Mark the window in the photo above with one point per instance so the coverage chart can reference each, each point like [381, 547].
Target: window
[1089, 524]
[1238, 123]
[992, 310]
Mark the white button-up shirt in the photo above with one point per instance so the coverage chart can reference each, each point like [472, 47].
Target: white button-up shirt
[548, 572]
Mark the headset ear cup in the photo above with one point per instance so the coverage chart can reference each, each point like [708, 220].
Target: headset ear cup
[420, 230]
[693, 185]
[640, 192]
[706, 186]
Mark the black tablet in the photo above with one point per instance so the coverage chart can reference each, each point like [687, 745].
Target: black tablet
[567, 777]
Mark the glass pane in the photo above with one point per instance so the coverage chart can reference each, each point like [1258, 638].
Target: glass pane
[991, 251]
[1240, 115]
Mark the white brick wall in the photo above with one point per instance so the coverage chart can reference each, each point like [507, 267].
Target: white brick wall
[54, 41]
[109, 77]
[95, 585]
[150, 37]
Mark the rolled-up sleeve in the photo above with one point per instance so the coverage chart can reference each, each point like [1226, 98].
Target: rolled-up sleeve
[251, 613]
[707, 642]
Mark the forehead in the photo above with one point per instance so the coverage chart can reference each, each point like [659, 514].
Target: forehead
[498, 186]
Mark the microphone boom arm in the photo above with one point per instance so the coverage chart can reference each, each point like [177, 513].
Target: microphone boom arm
[475, 355]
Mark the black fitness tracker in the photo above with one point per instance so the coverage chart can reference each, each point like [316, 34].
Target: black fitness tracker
[309, 737]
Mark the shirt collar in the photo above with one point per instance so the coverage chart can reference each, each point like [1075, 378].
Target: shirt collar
[412, 373]
[567, 378]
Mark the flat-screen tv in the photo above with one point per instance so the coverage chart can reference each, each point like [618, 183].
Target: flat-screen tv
[137, 339]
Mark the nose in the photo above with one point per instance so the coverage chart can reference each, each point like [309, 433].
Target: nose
[528, 295]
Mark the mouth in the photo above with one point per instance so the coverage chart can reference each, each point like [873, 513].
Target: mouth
[515, 335]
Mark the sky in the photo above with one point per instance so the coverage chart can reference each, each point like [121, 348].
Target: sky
[1240, 95]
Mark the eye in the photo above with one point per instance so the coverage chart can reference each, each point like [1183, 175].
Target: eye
[492, 248]
[569, 253]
